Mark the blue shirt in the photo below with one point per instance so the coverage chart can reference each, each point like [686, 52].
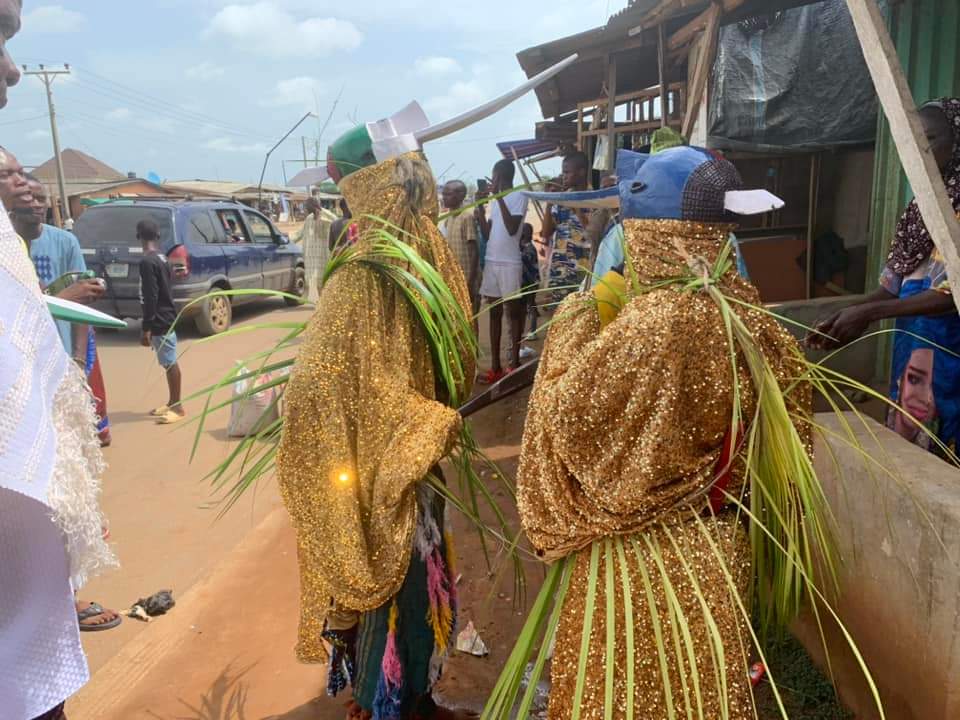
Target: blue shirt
[610, 254]
[55, 253]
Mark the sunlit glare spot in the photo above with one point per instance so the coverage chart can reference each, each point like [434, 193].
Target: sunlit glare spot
[343, 477]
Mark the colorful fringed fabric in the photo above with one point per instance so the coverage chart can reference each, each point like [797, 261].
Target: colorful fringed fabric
[400, 646]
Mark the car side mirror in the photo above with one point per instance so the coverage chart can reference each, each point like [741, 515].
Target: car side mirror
[283, 240]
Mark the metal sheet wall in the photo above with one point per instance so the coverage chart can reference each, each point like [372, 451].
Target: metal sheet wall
[927, 36]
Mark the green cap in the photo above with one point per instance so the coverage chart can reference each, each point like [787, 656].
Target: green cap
[350, 152]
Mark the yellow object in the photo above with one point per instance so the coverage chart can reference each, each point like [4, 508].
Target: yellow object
[361, 403]
[611, 295]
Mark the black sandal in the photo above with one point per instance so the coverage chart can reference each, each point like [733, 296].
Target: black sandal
[91, 611]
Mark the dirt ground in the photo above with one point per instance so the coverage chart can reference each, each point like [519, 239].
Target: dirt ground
[225, 651]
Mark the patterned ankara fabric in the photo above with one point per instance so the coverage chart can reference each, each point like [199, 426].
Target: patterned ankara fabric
[570, 258]
[50, 523]
[912, 243]
[925, 370]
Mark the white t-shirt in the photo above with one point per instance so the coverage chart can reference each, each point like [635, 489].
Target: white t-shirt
[502, 247]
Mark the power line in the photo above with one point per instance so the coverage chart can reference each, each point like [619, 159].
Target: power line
[150, 98]
[119, 91]
[23, 120]
[159, 110]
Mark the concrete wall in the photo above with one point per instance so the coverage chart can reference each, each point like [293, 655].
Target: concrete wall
[900, 597]
[858, 360]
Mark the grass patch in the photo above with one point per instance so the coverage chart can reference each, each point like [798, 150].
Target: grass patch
[807, 694]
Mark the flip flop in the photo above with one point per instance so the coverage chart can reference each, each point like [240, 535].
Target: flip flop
[91, 611]
[169, 418]
[160, 411]
[492, 377]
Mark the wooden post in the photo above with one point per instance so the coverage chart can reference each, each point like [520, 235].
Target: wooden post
[526, 180]
[708, 48]
[908, 133]
[812, 218]
[661, 62]
[611, 112]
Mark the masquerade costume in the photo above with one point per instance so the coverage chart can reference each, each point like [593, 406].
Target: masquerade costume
[664, 398]
[370, 411]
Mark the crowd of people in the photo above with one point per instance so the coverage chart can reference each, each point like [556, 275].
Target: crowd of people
[372, 408]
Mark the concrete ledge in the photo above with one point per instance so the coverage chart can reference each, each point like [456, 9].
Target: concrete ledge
[900, 593]
[858, 360]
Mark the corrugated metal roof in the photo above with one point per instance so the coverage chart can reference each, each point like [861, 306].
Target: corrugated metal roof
[225, 188]
[525, 148]
[75, 189]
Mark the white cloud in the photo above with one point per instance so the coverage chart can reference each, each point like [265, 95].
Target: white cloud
[462, 95]
[266, 28]
[436, 65]
[38, 134]
[118, 115]
[53, 19]
[295, 91]
[205, 71]
[224, 144]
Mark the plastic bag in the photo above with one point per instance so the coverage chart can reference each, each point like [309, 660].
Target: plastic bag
[252, 410]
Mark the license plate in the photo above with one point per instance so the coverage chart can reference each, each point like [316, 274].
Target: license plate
[117, 270]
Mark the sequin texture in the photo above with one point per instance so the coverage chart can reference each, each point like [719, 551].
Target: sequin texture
[362, 421]
[624, 430]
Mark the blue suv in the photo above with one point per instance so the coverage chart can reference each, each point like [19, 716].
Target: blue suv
[210, 244]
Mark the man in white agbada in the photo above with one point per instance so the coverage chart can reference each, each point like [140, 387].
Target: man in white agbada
[314, 237]
[50, 463]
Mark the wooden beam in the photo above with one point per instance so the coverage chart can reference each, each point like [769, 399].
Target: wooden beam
[812, 208]
[664, 11]
[611, 113]
[689, 31]
[708, 49]
[908, 133]
[662, 74]
[526, 181]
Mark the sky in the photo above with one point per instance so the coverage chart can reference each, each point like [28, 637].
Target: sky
[201, 89]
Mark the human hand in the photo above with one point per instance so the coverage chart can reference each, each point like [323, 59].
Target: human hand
[145, 337]
[838, 330]
[84, 292]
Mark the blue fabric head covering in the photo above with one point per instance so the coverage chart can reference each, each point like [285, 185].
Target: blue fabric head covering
[681, 183]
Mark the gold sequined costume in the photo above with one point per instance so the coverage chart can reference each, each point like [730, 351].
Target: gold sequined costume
[625, 428]
[363, 424]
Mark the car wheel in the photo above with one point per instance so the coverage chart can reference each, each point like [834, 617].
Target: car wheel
[215, 314]
[299, 287]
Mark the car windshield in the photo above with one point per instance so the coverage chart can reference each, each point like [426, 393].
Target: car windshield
[116, 226]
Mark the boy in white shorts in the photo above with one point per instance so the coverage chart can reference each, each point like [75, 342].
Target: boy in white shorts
[503, 266]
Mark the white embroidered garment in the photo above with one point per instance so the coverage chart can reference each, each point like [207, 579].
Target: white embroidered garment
[50, 522]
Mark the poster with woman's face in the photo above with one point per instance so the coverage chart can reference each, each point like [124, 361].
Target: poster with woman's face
[917, 405]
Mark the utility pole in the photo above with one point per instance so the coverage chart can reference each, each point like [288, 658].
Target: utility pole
[47, 77]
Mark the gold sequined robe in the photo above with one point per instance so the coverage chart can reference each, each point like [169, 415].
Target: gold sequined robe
[362, 423]
[624, 431]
